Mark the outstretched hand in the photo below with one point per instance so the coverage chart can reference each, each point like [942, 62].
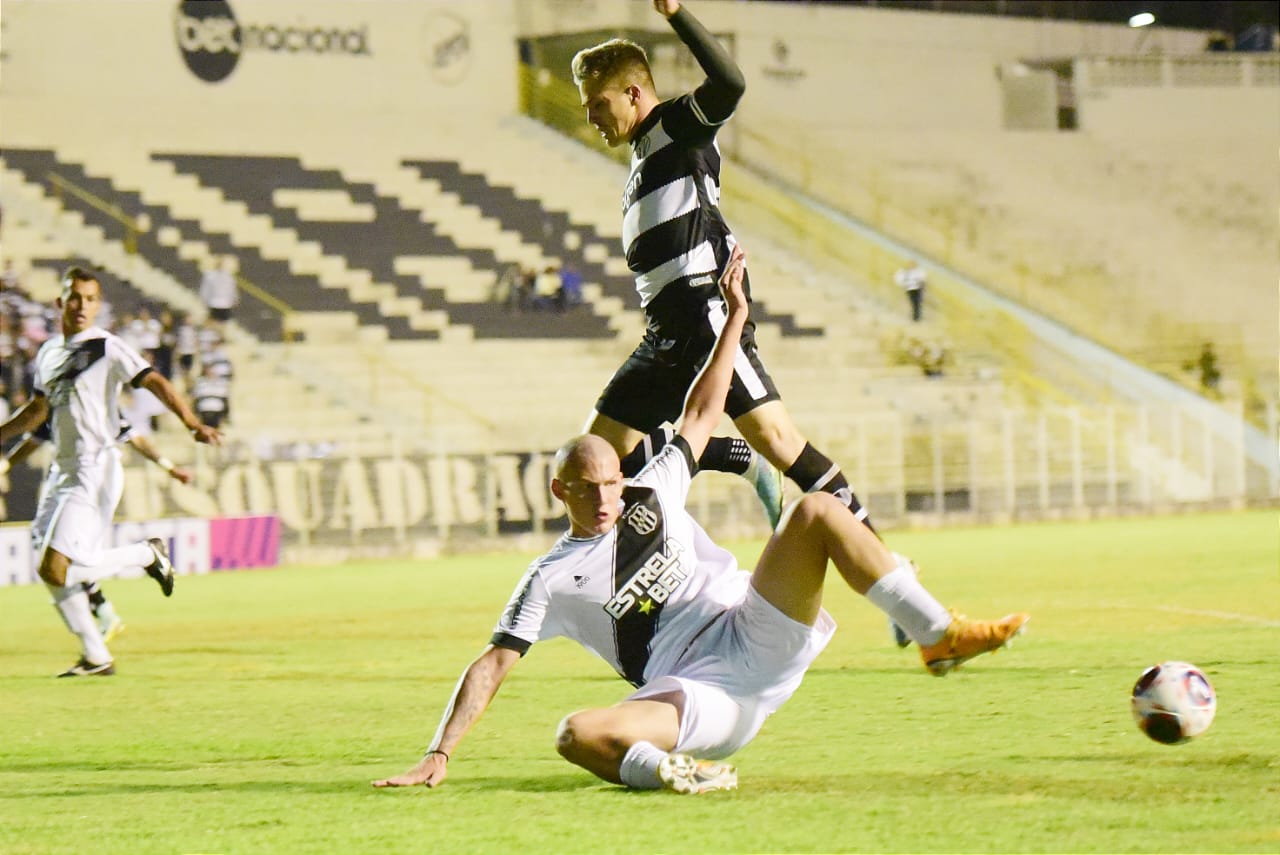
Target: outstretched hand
[206, 435]
[731, 289]
[431, 771]
[666, 8]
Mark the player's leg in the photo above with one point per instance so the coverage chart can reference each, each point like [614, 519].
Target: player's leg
[641, 742]
[104, 612]
[644, 396]
[815, 530]
[72, 603]
[771, 431]
[599, 740]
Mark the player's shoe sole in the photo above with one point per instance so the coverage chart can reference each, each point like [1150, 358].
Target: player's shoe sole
[683, 774]
[768, 485]
[965, 639]
[162, 568]
[85, 668]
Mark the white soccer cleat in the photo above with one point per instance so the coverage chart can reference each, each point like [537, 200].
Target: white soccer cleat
[684, 774]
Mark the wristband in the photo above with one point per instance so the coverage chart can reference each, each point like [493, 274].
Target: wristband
[166, 464]
[443, 754]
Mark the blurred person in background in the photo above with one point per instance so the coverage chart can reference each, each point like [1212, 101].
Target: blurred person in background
[77, 380]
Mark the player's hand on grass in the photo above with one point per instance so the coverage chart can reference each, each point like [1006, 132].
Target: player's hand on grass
[431, 771]
[731, 281]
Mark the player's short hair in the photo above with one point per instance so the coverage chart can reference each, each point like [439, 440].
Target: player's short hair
[615, 61]
[75, 274]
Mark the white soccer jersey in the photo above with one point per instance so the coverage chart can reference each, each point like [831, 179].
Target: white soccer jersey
[81, 378]
[638, 594]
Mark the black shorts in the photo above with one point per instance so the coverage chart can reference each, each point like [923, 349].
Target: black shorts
[650, 387]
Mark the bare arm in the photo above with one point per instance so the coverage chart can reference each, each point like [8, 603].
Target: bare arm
[147, 449]
[28, 417]
[471, 697]
[156, 384]
[704, 404]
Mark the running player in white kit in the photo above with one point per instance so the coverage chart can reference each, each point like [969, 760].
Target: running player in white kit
[711, 650]
[78, 376]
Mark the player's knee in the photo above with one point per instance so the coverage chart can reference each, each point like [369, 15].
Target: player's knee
[813, 509]
[53, 568]
[570, 736]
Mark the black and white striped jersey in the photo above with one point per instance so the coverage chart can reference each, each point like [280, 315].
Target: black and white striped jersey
[672, 230]
[636, 595]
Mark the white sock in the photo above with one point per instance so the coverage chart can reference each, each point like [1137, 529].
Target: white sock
[106, 615]
[901, 596]
[639, 769]
[110, 562]
[73, 604]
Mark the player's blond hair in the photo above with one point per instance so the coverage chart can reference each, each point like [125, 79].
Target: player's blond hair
[615, 61]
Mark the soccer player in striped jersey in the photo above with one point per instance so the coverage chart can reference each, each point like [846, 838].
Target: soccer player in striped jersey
[676, 243]
[711, 651]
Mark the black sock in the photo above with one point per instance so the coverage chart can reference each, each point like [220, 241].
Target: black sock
[813, 470]
[96, 597]
[722, 454]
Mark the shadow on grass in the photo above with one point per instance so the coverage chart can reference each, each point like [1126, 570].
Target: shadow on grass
[568, 782]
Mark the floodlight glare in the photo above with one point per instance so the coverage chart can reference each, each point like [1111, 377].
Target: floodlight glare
[1142, 19]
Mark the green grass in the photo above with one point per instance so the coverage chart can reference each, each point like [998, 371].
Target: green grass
[251, 711]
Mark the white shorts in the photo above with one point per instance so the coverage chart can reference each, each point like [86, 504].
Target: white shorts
[738, 672]
[76, 509]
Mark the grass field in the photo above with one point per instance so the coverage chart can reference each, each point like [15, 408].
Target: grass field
[251, 711]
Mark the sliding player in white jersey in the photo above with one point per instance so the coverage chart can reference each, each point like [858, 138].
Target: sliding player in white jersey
[78, 377]
[712, 651]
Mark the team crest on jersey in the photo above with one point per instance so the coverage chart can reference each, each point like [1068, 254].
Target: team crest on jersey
[642, 520]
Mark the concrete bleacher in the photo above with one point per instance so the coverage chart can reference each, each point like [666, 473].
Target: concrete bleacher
[388, 259]
[1150, 247]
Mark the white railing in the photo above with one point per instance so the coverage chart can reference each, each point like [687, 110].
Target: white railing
[1206, 70]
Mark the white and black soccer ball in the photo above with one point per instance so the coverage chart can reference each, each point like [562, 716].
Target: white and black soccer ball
[1173, 702]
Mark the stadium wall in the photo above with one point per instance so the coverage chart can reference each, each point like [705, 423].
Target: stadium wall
[227, 74]
[180, 74]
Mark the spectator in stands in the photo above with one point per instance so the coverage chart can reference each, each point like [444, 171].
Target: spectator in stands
[546, 288]
[506, 286]
[711, 651]
[9, 279]
[913, 279]
[186, 346]
[676, 253]
[1210, 374]
[570, 293]
[168, 341]
[211, 396]
[218, 289]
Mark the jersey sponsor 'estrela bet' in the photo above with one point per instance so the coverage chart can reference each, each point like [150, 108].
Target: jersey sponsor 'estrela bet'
[638, 594]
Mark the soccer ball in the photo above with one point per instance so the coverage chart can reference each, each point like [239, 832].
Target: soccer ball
[1173, 702]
